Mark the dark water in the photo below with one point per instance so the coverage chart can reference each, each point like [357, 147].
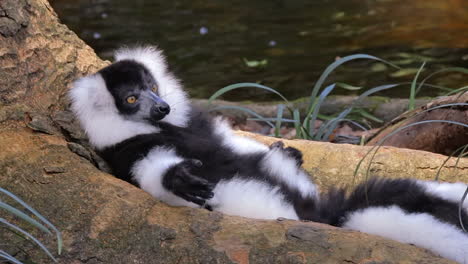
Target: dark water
[207, 41]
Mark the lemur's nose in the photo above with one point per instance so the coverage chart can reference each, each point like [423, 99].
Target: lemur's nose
[161, 108]
[165, 109]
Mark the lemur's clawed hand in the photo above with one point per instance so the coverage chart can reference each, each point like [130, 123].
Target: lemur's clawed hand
[182, 182]
[290, 151]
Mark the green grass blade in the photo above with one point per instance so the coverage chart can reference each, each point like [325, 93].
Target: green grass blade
[38, 215]
[244, 109]
[9, 257]
[279, 116]
[336, 64]
[23, 216]
[348, 110]
[464, 88]
[272, 119]
[324, 128]
[29, 236]
[447, 159]
[412, 97]
[348, 87]
[451, 69]
[297, 123]
[460, 209]
[369, 116]
[244, 85]
[382, 140]
[310, 119]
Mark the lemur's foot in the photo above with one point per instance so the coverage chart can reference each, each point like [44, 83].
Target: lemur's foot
[182, 182]
[290, 151]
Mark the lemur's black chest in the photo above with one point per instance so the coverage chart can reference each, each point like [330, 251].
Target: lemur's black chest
[196, 141]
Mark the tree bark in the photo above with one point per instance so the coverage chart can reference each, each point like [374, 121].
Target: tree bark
[105, 220]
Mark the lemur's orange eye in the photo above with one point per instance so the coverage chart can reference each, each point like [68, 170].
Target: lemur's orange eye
[154, 89]
[131, 99]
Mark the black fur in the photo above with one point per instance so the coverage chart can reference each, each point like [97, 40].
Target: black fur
[407, 194]
[197, 142]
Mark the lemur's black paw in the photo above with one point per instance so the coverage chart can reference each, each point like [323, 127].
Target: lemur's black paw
[182, 182]
[290, 151]
[296, 154]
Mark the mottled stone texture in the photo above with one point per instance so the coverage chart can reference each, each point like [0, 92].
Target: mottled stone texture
[105, 220]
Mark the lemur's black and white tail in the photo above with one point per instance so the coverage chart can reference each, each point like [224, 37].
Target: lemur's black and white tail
[421, 213]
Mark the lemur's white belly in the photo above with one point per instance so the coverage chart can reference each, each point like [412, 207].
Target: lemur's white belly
[251, 198]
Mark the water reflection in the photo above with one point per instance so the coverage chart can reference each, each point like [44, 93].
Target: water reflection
[208, 42]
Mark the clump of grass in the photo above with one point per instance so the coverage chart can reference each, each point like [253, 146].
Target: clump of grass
[304, 123]
[33, 218]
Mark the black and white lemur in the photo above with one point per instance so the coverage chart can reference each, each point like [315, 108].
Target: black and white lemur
[139, 119]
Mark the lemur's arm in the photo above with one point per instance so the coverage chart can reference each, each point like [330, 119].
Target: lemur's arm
[171, 178]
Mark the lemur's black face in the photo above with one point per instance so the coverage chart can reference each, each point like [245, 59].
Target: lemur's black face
[135, 91]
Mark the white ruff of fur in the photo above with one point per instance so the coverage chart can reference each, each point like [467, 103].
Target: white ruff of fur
[170, 89]
[422, 230]
[452, 192]
[250, 198]
[285, 169]
[95, 109]
[149, 171]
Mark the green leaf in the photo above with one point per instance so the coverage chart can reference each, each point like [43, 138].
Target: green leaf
[38, 215]
[297, 123]
[369, 116]
[255, 63]
[348, 87]
[244, 85]
[313, 112]
[244, 109]
[412, 97]
[451, 69]
[9, 257]
[29, 236]
[279, 116]
[336, 64]
[404, 72]
[23, 216]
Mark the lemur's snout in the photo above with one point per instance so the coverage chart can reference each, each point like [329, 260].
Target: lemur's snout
[162, 108]
[159, 110]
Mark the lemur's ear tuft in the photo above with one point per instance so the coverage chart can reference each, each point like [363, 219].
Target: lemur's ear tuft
[150, 56]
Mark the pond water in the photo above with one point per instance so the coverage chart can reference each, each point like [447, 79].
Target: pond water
[285, 44]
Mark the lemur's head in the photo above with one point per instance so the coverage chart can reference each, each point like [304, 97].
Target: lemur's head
[128, 97]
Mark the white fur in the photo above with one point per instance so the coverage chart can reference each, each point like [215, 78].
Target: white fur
[452, 192]
[285, 169]
[237, 144]
[422, 230]
[95, 109]
[149, 171]
[170, 89]
[250, 198]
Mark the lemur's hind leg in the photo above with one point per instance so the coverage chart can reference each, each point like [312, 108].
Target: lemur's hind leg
[290, 151]
[283, 164]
